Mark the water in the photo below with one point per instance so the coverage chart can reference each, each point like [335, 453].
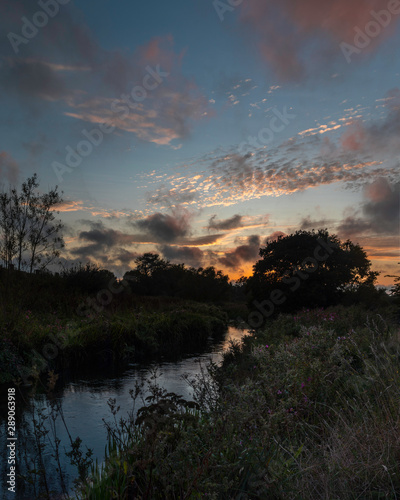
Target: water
[84, 402]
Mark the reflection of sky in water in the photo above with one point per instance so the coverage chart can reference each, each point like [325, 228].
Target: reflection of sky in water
[84, 402]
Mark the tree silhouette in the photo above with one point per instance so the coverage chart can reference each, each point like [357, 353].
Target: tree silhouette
[156, 276]
[29, 232]
[308, 269]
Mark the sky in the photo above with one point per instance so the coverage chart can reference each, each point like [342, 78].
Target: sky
[200, 130]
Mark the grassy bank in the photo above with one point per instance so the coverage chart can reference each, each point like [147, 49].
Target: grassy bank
[306, 408]
[37, 341]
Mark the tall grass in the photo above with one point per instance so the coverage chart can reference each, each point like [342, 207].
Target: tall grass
[307, 408]
[151, 329]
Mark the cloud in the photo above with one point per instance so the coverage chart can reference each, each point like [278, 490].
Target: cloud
[9, 168]
[66, 64]
[87, 252]
[125, 256]
[302, 162]
[229, 178]
[380, 212]
[232, 223]
[32, 79]
[242, 253]
[172, 197]
[202, 240]
[72, 206]
[380, 137]
[164, 227]
[105, 237]
[274, 236]
[307, 223]
[162, 114]
[383, 206]
[355, 137]
[106, 244]
[299, 38]
[191, 256]
[352, 226]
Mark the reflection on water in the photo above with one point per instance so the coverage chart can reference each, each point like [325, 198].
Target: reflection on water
[84, 404]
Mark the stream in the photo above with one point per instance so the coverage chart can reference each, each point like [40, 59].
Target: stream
[84, 402]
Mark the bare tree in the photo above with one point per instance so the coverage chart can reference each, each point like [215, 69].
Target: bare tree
[44, 238]
[23, 204]
[28, 228]
[8, 239]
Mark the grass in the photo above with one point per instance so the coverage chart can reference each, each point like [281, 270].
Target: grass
[37, 340]
[306, 408]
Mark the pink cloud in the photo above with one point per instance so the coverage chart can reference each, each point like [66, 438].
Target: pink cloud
[354, 138]
[379, 190]
[283, 29]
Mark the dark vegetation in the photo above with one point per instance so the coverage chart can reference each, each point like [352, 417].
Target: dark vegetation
[85, 314]
[314, 269]
[305, 407]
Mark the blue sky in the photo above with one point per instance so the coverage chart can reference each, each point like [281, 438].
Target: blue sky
[253, 124]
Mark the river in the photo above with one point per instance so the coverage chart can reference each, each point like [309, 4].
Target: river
[84, 403]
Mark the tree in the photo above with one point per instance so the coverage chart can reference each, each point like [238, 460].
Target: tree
[44, 238]
[156, 276]
[149, 263]
[8, 240]
[22, 204]
[28, 229]
[143, 279]
[89, 278]
[395, 290]
[308, 269]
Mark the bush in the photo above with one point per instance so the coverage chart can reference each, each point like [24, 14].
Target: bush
[311, 415]
[88, 279]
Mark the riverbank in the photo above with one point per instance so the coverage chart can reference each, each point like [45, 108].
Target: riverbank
[36, 342]
[305, 408]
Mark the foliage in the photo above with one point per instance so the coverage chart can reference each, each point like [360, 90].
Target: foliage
[310, 269]
[395, 291]
[88, 278]
[148, 330]
[156, 276]
[313, 415]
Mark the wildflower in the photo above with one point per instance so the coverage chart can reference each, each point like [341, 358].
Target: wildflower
[279, 391]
